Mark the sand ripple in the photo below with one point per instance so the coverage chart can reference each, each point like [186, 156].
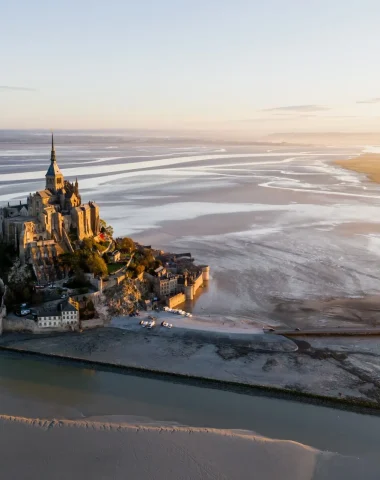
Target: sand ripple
[64, 449]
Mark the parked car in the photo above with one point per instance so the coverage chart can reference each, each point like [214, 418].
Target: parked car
[166, 324]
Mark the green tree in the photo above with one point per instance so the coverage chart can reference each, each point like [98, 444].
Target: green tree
[88, 244]
[7, 257]
[90, 306]
[125, 244]
[79, 280]
[96, 265]
[69, 261]
[140, 269]
[19, 281]
[104, 228]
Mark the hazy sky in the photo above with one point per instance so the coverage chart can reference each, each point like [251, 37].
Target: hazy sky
[254, 65]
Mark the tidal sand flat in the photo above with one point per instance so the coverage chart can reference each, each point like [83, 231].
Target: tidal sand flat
[76, 422]
[61, 449]
[278, 225]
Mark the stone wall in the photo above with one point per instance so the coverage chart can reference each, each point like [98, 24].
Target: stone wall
[95, 297]
[115, 280]
[97, 283]
[27, 325]
[191, 290]
[172, 302]
[93, 323]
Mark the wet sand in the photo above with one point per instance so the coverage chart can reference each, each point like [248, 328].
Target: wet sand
[275, 223]
[257, 360]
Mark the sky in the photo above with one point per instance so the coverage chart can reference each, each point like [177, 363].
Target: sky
[229, 65]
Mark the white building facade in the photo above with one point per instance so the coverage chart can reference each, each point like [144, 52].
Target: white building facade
[67, 315]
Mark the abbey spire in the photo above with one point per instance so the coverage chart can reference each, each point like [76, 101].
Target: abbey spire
[52, 154]
[54, 177]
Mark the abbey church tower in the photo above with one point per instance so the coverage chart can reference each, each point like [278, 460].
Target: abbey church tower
[50, 220]
[54, 177]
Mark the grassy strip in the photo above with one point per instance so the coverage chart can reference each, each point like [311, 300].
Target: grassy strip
[367, 163]
[347, 403]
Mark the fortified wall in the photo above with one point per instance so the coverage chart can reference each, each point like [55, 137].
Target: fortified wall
[176, 300]
[191, 290]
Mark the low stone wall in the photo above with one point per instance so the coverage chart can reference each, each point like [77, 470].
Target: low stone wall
[27, 325]
[176, 300]
[94, 297]
[93, 323]
[114, 281]
[95, 282]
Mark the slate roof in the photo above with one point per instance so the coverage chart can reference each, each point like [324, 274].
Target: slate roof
[44, 193]
[19, 207]
[68, 307]
[53, 170]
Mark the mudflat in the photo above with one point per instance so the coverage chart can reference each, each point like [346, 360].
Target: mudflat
[333, 367]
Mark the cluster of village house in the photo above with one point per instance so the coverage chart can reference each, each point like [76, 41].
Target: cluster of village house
[178, 279]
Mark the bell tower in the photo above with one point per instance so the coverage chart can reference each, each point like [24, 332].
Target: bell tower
[54, 177]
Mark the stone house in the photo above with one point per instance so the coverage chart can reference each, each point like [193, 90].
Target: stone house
[66, 315]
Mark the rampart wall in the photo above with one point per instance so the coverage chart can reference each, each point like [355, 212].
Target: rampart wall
[172, 302]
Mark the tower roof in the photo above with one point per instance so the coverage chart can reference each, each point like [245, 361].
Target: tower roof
[53, 169]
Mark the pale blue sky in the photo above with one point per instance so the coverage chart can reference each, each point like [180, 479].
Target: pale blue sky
[210, 64]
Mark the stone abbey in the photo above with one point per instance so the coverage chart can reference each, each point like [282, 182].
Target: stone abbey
[44, 226]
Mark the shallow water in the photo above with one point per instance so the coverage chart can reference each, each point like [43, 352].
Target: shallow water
[43, 389]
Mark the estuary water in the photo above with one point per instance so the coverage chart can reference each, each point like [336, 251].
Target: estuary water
[42, 389]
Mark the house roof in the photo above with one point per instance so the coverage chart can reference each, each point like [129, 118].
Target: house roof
[67, 306]
[19, 207]
[44, 193]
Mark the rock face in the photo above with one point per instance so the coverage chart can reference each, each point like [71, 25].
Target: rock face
[122, 299]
